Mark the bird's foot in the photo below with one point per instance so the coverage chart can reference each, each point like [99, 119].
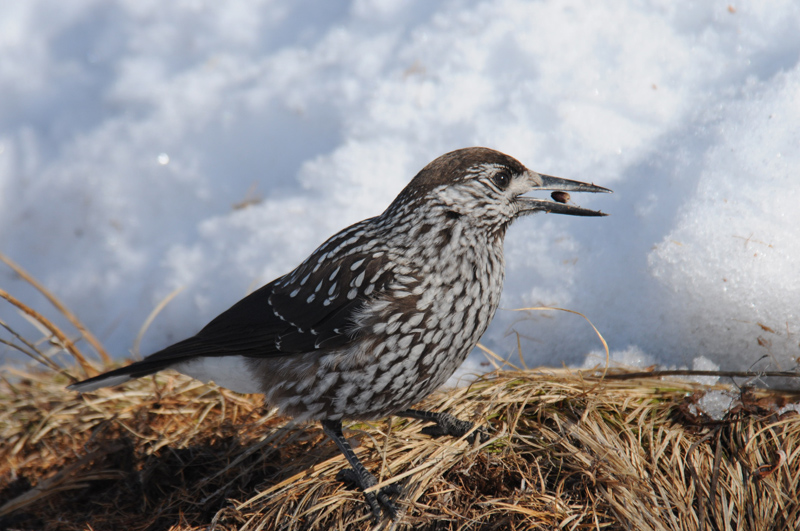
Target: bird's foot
[360, 476]
[374, 499]
[446, 424]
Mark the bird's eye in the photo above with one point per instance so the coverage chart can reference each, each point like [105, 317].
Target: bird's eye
[502, 178]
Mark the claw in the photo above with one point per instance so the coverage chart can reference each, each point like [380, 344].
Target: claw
[482, 435]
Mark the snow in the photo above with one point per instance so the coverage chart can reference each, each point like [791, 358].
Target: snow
[210, 146]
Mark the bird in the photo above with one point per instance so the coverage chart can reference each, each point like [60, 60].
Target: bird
[381, 314]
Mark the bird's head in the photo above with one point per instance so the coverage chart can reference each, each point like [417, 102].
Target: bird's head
[487, 188]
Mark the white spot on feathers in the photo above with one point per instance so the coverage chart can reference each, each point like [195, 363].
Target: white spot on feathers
[355, 265]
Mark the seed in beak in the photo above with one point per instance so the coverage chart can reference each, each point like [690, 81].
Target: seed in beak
[560, 197]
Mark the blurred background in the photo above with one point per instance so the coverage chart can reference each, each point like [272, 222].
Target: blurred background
[208, 147]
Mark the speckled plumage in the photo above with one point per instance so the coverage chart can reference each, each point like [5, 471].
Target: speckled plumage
[382, 313]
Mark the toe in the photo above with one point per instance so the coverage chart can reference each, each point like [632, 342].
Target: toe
[434, 431]
[387, 503]
[372, 501]
[348, 476]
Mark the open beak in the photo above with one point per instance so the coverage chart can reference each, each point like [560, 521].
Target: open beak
[529, 205]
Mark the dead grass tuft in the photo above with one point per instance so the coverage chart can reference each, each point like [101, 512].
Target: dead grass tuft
[568, 451]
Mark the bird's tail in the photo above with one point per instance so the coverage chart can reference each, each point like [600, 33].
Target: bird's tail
[153, 363]
[117, 376]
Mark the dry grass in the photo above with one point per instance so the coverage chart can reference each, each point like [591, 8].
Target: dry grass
[569, 450]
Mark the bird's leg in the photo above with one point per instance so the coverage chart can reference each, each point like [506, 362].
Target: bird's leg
[359, 474]
[446, 424]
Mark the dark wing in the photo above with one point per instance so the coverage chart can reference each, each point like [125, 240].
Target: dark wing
[309, 309]
[318, 307]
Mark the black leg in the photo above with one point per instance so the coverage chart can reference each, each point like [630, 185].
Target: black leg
[360, 475]
[446, 424]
